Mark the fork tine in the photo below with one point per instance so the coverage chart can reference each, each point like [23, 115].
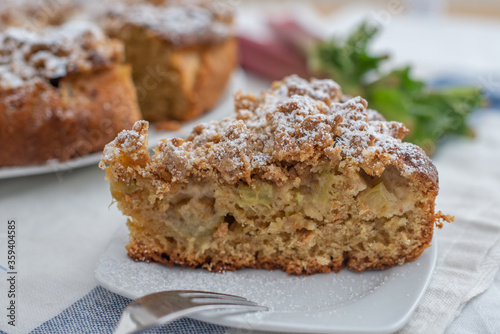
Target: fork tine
[235, 308]
[207, 294]
[205, 297]
[206, 301]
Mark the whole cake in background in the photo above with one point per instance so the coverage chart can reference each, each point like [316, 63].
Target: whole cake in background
[64, 92]
[66, 88]
[182, 54]
[300, 179]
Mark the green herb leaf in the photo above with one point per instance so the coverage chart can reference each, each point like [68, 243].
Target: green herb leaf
[429, 114]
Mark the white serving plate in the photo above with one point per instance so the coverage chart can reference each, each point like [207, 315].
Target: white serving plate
[223, 109]
[368, 302]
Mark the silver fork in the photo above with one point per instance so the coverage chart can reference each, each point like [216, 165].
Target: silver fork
[163, 307]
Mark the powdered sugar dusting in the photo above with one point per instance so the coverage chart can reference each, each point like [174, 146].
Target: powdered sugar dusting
[36, 14]
[52, 53]
[324, 90]
[297, 122]
[127, 141]
[295, 127]
[181, 23]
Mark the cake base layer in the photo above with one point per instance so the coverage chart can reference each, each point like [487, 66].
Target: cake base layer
[318, 223]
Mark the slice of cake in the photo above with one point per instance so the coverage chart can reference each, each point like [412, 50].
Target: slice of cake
[64, 92]
[182, 54]
[299, 179]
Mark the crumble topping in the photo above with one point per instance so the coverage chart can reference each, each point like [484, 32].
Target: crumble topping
[181, 23]
[297, 125]
[36, 14]
[52, 53]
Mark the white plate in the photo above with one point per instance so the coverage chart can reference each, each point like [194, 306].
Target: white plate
[369, 302]
[223, 109]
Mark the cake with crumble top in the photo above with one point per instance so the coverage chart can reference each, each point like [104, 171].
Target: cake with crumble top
[300, 179]
[64, 93]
